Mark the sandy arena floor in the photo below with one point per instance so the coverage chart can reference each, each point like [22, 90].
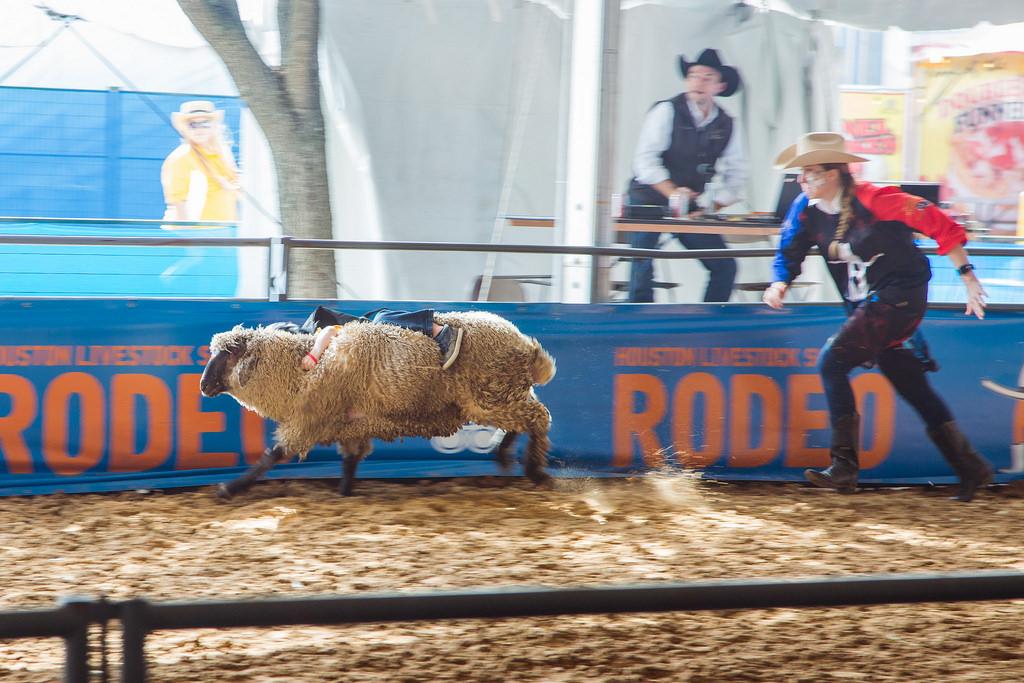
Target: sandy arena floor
[299, 538]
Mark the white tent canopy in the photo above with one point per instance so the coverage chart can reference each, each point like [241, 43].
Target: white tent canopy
[460, 117]
[455, 113]
[909, 15]
[444, 115]
[92, 45]
[878, 15]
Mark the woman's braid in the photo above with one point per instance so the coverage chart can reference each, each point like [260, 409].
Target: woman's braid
[845, 210]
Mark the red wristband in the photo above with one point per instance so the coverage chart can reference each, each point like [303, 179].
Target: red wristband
[315, 361]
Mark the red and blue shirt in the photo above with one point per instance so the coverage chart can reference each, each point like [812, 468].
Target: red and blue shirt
[878, 250]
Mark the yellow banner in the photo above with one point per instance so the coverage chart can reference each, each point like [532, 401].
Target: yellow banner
[873, 124]
[972, 130]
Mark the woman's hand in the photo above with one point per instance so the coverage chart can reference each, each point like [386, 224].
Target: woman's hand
[773, 295]
[975, 293]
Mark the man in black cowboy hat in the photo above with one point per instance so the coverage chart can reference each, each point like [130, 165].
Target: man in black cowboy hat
[681, 141]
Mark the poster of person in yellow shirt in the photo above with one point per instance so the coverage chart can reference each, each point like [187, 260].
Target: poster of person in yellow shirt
[200, 177]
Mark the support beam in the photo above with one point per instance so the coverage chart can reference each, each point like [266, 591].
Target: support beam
[583, 147]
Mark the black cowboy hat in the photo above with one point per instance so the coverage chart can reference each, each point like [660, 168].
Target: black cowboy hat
[730, 76]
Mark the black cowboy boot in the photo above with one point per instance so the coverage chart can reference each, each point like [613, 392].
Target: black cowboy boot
[841, 475]
[974, 471]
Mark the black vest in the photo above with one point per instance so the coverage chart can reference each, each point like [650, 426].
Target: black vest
[691, 156]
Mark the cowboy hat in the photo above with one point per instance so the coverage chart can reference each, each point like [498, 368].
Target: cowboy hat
[729, 75]
[785, 156]
[816, 148]
[196, 109]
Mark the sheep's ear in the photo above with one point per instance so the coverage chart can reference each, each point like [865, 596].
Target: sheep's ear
[246, 370]
[236, 346]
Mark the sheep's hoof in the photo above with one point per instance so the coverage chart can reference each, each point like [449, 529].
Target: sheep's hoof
[223, 492]
[542, 480]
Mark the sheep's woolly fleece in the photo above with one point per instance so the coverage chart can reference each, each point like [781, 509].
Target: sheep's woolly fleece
[394, 377]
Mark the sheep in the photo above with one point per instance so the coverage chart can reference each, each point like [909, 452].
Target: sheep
[381, 381]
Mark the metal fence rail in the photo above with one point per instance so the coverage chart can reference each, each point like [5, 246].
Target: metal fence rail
[140, 617]
[279, 247]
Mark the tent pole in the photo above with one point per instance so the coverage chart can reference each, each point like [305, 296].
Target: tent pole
[600, 287]
[585, 83]
[38, 48]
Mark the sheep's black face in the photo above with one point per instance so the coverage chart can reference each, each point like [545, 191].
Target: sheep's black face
[218, 369]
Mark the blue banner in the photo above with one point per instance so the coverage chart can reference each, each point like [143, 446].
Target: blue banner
[103, 395]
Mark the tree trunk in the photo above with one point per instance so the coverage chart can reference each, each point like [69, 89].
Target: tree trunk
[304, 197]
[286, 104]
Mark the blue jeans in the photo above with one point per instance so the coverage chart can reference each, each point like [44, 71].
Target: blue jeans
[641, 276]
[421, 320]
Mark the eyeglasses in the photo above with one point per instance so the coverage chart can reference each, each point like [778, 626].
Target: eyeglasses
[811, 175]
[200, 123]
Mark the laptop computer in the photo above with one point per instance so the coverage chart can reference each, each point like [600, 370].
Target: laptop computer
[929, 191]
[790, 190]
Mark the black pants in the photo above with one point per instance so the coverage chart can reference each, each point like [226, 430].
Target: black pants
[876, 333]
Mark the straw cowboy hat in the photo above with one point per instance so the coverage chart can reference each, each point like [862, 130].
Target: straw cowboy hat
[816, 148]
[196, 109]
[730, 76]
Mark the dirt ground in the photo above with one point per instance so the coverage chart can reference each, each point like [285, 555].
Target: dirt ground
[300, 539]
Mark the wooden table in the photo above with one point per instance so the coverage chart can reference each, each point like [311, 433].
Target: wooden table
[690, 225]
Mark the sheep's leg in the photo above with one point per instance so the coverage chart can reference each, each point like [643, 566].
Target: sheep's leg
[536, 458]
[501, 453]
[532, 418]
[270, 457]
[348, 474]
[353, 452]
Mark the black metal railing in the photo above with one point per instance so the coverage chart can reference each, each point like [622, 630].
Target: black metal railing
[138, 617]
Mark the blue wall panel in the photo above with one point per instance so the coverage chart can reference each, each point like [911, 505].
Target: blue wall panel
[89, 154]
[52, 270]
